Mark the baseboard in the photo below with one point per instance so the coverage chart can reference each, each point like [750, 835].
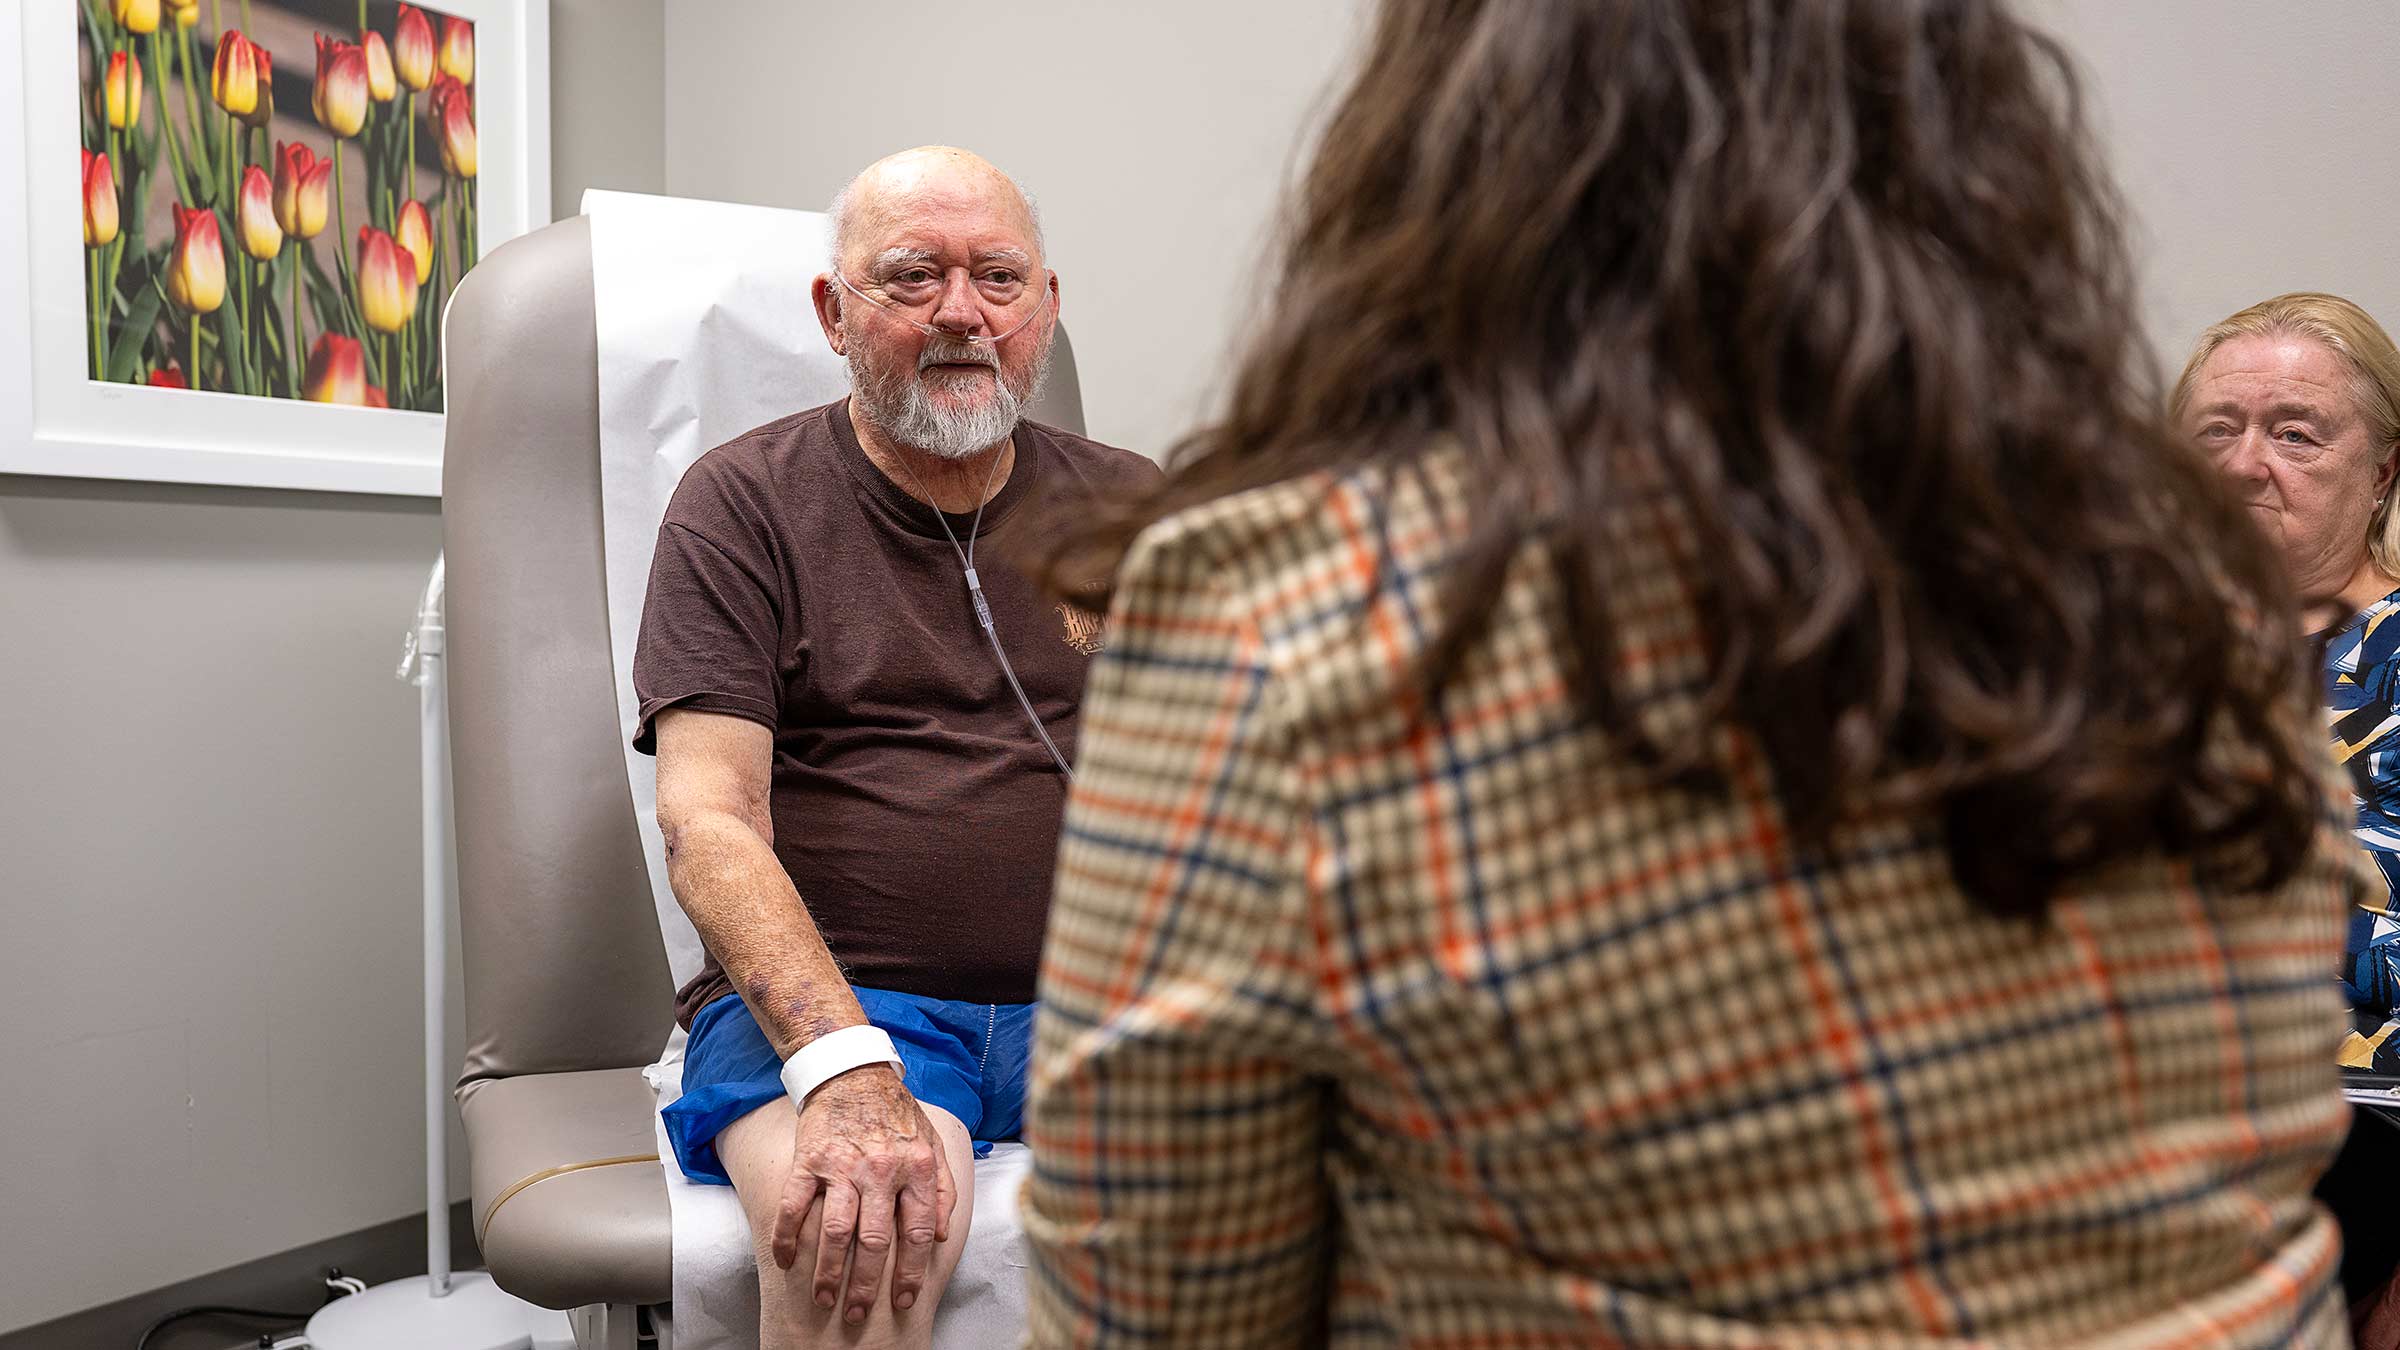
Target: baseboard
[291, 1281]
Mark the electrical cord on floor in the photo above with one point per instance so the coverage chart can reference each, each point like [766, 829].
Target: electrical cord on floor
[216, 1310]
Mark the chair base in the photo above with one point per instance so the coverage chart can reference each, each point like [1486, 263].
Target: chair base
[405, 1315]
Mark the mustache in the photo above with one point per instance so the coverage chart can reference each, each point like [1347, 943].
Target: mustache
[939, 352]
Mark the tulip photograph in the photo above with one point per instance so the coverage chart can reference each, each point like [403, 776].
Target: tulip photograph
[277, 198]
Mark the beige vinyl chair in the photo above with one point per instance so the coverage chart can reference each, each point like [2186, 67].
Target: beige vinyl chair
[567, 991]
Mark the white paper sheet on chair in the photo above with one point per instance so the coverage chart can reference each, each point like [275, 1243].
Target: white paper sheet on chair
[706, 330]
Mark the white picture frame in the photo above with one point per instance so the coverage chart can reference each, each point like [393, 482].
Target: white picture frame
[56, 420]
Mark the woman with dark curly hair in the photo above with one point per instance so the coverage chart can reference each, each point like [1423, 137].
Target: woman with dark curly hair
[1693, 762]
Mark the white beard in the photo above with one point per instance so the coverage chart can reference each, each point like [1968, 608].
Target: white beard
[903, 409]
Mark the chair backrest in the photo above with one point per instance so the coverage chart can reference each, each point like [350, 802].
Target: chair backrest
[565, 970]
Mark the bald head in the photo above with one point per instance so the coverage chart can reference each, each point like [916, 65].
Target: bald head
[931, 179]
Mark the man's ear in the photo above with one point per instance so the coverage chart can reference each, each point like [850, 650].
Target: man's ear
[827, 298]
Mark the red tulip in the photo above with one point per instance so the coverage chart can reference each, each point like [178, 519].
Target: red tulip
[121, 92]
[196, 269]
[453, 112]
[265, 111]
[375, 398]
[170, 378]
[458, 50]
[99, 200]
[415, 233]
[380, 84]
[303, 190]
[254, 216]
[340, 97]
[412, 48]
[337, 371]
[387, 287]
[242, 80]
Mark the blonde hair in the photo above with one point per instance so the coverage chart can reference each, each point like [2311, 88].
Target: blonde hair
[2374, 363]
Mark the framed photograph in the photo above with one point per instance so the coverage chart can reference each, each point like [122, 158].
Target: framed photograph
[228, 229]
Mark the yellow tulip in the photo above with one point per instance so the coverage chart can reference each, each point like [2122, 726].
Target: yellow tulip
[387, 287]
[121, 92]
[337, 372]
[303, 190]
[340, 97]
[233, 81]
[381, 86]
[454, 123]
[416, 235]
[137, 16]
[412, 48]
[99, 200]
[458, 50]
[196, 269]
[254, 216]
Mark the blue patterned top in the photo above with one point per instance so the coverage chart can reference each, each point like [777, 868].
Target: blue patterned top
[2362, 695]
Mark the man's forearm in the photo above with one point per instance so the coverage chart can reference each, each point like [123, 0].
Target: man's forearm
[743, 903]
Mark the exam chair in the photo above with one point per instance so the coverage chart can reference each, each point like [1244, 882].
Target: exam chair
[568, 996]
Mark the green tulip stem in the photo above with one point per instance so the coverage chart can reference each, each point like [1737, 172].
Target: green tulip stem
[202, 161]
[229, 175]
[127, 209]
[99, 330]
[341, 244]
[238, 353]
[254, 325]
[408, 166]
[291, 353]
[191, 365]
[166, 124]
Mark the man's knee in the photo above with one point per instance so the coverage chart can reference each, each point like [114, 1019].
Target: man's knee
[758, 1151]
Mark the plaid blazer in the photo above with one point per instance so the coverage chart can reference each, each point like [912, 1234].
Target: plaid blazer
[1369, 1029]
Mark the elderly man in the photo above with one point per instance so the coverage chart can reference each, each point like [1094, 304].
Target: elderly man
[862, 719]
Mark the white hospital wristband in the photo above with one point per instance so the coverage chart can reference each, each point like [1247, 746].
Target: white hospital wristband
[835, 1052]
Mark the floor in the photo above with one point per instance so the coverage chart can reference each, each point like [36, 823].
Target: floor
[212, 1333]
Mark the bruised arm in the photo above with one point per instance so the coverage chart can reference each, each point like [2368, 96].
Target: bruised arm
[714, 772]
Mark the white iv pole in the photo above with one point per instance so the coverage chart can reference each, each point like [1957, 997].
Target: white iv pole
[442, 1309]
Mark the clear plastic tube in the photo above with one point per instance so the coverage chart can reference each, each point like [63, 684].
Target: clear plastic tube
[1048, 290]
[983, 608]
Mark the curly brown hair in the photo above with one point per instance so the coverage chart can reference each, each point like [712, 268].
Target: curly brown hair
[1846, 269]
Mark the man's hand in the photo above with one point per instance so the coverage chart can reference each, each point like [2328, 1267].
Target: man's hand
[866, 1152]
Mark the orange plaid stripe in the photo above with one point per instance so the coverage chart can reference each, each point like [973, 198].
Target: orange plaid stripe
[1368, 1028]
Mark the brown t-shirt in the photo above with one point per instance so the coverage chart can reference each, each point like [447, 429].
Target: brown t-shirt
[795, 585]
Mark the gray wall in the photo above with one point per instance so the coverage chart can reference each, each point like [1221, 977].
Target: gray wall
[1156, 137]
[2258, 142]
[208, 834]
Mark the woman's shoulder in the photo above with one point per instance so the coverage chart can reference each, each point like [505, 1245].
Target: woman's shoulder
[1289, 550]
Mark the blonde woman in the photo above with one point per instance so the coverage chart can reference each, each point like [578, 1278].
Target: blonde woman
[2298, 398]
